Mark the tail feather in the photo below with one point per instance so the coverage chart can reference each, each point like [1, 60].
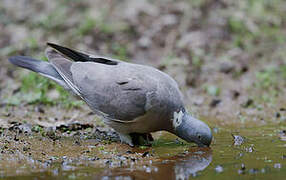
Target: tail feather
[41, 67]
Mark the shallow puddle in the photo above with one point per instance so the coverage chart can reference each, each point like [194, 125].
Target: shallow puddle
[260, 154]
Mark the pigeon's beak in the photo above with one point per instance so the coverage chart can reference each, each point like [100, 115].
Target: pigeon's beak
[194, 130]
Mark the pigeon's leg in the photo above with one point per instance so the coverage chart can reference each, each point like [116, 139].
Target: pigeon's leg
[141, 139]
[126, 138]
[149, 137]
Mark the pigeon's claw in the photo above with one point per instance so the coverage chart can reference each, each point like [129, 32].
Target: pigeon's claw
[140, 139]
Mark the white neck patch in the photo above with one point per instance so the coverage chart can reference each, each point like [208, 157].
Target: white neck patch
[177, 118]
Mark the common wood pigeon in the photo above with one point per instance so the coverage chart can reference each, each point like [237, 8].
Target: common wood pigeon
[133, 99]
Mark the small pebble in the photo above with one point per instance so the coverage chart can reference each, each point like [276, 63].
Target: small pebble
[238, 140]
[25, 128]
[148, 170]
[277, 115]
[253, 171]
[219, 169]
[235, 94]
[25, 148]
[227, 67]
[250, 149]
[242, 169]
[277, 166]
[214, 103]
[145, 154]
[39, 109]
[215, 130]
[248, 103]
[129, 152]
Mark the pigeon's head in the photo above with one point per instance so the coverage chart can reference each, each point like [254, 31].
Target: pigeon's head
[191, 129]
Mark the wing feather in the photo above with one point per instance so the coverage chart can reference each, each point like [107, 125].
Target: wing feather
[110, 91]
[120, 94]
[82, 57]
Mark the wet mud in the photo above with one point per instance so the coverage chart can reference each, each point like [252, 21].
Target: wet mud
[91, 153]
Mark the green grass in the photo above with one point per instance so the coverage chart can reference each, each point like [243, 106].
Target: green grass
[35, 89]
[52, 21]
[271, 77]
[212, 90]
[283, 71]
[268, 84]
[267, 78]
[120, 51]
[86, 26]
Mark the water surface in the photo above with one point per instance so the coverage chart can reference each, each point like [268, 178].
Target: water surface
[261, 155]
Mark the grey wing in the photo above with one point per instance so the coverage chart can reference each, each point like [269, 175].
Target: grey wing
[109, 90]
[119, 94]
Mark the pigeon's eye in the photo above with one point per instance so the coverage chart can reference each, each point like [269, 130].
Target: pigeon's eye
[200, 137]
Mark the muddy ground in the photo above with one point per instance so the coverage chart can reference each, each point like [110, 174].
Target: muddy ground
[228, 58]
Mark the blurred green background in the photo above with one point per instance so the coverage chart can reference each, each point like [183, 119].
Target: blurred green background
[228, 56]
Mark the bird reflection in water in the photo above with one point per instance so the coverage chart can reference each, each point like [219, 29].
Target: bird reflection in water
[179, 167]
[194, 162]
